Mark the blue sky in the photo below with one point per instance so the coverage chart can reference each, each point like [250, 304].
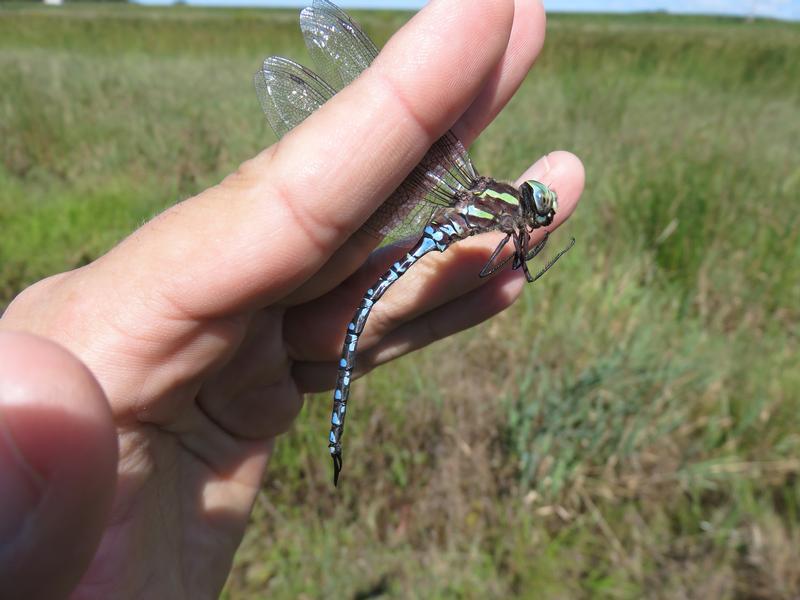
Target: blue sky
[782, 9]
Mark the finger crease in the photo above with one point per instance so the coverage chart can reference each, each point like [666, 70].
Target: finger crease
[301, 220]
[408, 109]
[429, 322]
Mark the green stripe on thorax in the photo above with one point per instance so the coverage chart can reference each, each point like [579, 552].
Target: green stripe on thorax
[474, 211]
[503, 196]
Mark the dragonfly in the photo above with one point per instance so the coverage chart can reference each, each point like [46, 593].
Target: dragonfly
[442, 201]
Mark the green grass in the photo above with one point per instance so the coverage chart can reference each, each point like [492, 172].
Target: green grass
[630, 428]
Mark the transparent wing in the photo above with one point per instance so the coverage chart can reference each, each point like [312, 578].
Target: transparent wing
[340, 49]
[435, 182]
[341, 52]
[289, 93]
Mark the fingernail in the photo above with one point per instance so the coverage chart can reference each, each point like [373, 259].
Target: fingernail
[19, 494]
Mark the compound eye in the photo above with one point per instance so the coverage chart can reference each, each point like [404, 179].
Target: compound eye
[540, 201]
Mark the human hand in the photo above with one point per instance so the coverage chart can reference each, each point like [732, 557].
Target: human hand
[207, 325]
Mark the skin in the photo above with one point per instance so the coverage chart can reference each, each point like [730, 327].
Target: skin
[201, 332]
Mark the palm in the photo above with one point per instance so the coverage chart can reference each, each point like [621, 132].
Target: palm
[192, 455]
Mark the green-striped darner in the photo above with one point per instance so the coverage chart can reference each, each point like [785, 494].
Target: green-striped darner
[443, 200]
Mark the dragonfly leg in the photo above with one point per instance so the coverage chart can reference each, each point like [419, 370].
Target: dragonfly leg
[554, 259]
[520, 252]
[517, 252]
[488, 269]
[533, 252]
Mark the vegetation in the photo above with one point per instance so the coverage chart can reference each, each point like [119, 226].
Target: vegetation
[631, 428]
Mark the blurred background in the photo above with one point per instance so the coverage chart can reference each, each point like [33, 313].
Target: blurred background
[630, 428]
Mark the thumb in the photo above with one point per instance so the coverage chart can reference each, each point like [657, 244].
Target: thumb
[58, 458]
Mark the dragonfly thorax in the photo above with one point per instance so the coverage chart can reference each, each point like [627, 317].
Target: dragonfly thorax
[493, 205]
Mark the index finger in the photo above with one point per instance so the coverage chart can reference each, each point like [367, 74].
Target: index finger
[265, 229]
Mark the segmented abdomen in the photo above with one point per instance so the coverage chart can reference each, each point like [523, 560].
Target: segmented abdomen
[435, 237]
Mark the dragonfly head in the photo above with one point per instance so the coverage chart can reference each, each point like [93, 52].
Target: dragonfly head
[539, 203]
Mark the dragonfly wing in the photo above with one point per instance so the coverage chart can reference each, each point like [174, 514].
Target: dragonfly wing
[340, 49]
[289, 93]
[443, 172]
[341, 52]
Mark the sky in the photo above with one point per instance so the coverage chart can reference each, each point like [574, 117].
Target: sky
[781, 9]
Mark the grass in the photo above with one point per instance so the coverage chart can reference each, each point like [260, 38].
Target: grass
[631, 428]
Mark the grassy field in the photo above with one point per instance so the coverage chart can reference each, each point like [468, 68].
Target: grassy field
[631, 428]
